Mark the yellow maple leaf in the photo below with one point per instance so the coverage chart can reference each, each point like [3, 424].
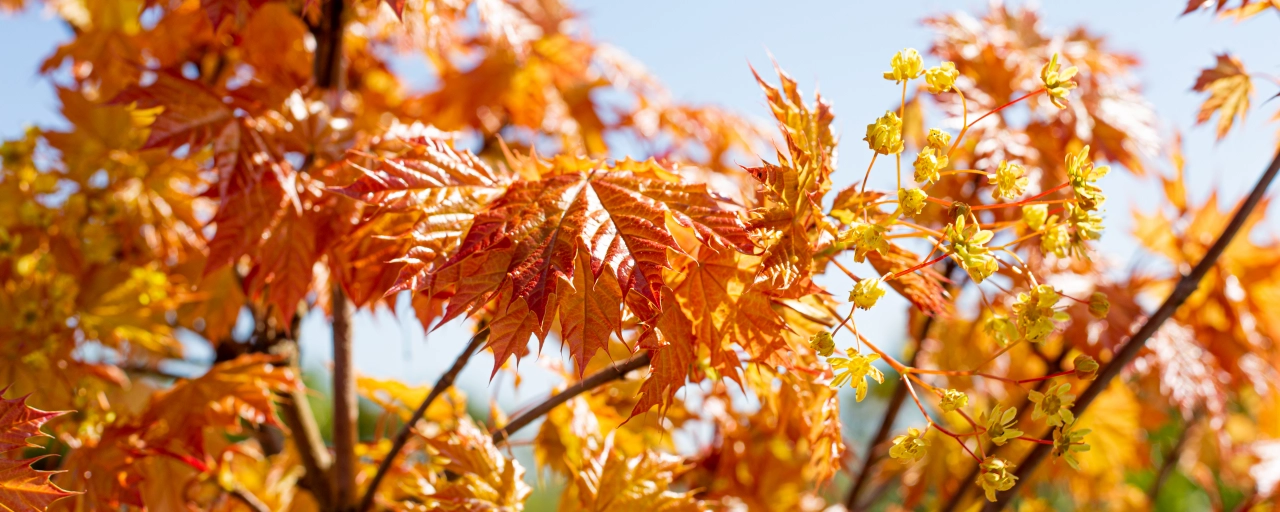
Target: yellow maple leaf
[1229, 88]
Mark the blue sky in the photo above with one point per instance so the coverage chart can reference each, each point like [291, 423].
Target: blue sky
[701, 50]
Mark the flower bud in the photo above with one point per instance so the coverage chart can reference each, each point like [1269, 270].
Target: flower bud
[906, 64]
[1086, 367]
[1099, 306]
[866, 293]
[822, 343]
[941, 78]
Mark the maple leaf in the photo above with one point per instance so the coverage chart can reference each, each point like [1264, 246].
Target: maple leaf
[190, 114]
[484, 479]
[23, 489]
[590, 309]
[19, 422]
[528, 239]
[609, 480]
[241, 389]
[671, 344]
[1229, 88]
[443, 188]
[793, 187]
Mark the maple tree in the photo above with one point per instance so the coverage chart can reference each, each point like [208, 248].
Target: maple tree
[231, 165]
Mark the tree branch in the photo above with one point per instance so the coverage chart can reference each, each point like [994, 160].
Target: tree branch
[346, 409]
[1185, 287]
[406, 430]
[328, 58]
[592, 381]
[296, 412]
[327, 72]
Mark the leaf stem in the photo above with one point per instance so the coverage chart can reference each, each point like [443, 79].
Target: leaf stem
[984, 116]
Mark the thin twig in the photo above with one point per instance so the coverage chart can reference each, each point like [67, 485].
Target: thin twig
[1023, 411]
[886, 425]
[891, 413]
[248, 499]
[592, 381]
[402, 437]
[1185, 287]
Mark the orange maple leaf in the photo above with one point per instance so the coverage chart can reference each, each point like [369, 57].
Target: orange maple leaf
[1229, 88]
[23, 489]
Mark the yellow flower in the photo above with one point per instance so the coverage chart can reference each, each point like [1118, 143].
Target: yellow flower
[996, 475]
[854, 370]
[1086, 367]
[1086, 225]
[1082, 175]
[1010, 180]
[1056, 83]
[953, 400]
[968, 244]
[1056, 239]
[938, 139]
[1054, 406]
[1067, 442]
[912, 200]
[941, 78]
[906, 64]
[885, 135]
[910, 447]
[1035, 215]
[1099, 306]
[1000, 425]
[1001, 328]
[867, 238]
[1034, 314]
[866, 293]
[822, 343]
[928, 163]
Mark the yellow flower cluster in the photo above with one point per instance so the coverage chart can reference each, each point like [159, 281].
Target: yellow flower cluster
[855, 370]
[910, 447]
[906, 65]
[866, 293]
[1010, 181]
[885, 135]
[1057, 83]
[996, 475]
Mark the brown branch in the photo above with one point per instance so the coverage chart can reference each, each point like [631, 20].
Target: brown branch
[296, 412]
[406, 430]
[346, 409]
[328, 33]
[327, 72]
[592, 381]
[1185, 287]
